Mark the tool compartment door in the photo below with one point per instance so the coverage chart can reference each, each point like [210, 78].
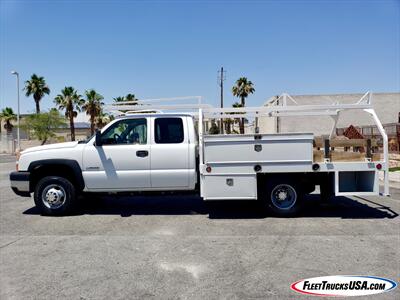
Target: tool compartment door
[226, 187]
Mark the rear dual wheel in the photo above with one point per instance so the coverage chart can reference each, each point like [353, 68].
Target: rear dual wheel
[282, 198]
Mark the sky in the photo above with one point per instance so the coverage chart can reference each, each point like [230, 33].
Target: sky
[159, 49]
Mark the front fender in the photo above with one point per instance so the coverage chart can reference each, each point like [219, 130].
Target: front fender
[73, 165]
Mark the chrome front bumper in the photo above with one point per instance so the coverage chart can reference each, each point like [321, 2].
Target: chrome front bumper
[20, 183]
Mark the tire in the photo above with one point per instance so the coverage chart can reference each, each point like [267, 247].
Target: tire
[282, 198]
[55, 196]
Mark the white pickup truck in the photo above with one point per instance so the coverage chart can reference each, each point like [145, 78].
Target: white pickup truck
[148, 152]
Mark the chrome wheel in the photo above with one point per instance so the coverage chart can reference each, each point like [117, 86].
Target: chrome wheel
[53, 196]
[283, 196]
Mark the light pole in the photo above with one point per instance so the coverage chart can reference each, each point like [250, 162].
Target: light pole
[18, 137]
[221, 85]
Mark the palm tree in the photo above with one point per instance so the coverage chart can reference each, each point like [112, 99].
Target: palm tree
[119, 99]
[102, 119]
[38, 88]
[237, 120]
[7, 115]
[230, 122]
[92, 106]
[71, 101]
[131, 97]
[214, 128]
[242, 89]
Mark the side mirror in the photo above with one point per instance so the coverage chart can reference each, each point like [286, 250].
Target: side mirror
[98, 140]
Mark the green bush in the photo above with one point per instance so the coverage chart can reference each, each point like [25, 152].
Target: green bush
[42, 126]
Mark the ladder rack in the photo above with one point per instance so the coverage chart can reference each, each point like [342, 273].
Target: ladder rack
[157, 105]
[274, 108]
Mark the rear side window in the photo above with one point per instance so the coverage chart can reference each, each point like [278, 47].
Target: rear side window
[169, 130]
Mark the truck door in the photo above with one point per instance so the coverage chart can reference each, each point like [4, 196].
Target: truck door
[169, 153]
[123, 160]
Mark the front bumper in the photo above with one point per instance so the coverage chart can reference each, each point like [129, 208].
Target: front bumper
[20, 183]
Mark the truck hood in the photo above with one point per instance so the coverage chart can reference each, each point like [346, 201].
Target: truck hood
[51, 147]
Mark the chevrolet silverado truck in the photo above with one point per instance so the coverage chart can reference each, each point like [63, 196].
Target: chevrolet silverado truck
[143, 152]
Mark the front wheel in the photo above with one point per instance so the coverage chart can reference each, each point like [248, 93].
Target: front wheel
[55, 196]
[282, 198]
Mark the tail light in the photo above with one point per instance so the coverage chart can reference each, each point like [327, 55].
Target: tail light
[208, 169]
[378, 166]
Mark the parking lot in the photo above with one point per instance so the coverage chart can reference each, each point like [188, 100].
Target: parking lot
[178, 247]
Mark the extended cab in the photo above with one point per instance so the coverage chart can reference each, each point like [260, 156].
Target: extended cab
[133, 153]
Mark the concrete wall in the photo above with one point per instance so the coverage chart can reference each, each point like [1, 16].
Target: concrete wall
[7, 144]
[267, 125]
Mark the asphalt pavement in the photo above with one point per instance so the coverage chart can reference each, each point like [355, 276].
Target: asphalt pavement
[177, 247]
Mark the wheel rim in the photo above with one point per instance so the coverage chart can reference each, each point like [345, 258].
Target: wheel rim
[53, 196]
[283, 196]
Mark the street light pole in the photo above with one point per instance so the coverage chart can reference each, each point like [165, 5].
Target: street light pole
[221, 85]
[18, 113]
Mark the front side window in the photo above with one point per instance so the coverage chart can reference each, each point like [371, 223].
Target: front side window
[128, 131]
[168, 131]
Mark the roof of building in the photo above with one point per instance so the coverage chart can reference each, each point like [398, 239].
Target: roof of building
[81, 125]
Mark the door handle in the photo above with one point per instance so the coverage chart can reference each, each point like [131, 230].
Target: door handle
[142, 153]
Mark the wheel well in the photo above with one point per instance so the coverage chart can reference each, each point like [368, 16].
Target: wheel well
[61, 170]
